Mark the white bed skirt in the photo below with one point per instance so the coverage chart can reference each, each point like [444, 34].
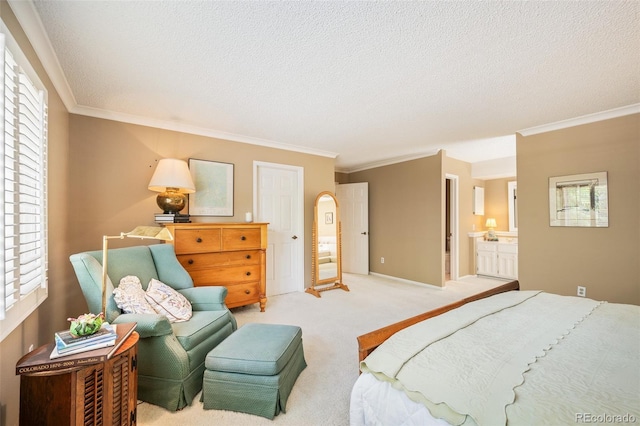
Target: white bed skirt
[369, 394]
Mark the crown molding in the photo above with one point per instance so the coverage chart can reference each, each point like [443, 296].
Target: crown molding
[195, 130]
[387, 162]
[585, 119]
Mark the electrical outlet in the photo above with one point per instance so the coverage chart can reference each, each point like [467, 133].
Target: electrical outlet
[582, 291]
[382, 260]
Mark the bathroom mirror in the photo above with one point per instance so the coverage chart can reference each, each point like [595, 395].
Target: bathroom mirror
[326, 262]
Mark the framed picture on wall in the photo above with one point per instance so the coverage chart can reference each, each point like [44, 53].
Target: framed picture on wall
[214, 188]
[328, 218]
[579, 200]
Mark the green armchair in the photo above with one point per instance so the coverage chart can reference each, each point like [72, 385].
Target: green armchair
[170, 355]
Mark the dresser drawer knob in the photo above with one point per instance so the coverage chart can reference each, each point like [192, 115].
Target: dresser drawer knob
[190, 261]
[243, 238]
[248, 273]
[199, 240]
[247, 292]
[248, 256]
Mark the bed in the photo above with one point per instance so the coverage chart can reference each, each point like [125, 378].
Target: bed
[327, 265]
[503, 356]
[327, 259]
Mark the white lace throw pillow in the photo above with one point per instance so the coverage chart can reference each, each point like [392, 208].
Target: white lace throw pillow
[168, 302]
[130, 297]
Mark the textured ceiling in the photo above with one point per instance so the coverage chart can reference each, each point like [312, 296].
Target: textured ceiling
[369, 81]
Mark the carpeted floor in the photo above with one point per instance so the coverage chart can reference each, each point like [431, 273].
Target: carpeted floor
[330, 325]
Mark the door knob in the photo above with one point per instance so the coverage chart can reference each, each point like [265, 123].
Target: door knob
[295, 237]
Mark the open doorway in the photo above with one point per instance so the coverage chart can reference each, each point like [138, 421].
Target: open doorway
[451, 252]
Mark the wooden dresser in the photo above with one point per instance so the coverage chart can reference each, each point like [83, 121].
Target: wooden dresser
[228, 254]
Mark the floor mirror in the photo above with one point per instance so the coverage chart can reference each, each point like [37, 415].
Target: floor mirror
[326, 262]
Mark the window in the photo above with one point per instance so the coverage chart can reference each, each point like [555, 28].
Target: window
[23, 186]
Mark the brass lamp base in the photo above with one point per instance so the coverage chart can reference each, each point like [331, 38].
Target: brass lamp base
[171, 201]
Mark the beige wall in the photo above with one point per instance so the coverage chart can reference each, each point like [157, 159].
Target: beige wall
[342, 177]
[407, 217]
[558, 259]
[39, 327]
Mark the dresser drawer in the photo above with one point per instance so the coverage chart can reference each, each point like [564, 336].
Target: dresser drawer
[225, 275]
[508, 248]
[195, 261]
[241, 239]
[242, 294]
[197, 240]
[492, 247]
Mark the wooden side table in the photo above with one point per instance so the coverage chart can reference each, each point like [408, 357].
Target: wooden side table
[98, 394]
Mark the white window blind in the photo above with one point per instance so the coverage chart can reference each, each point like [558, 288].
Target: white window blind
[23, 187]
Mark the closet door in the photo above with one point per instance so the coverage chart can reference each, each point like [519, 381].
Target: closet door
[353, 199]
[278, 200]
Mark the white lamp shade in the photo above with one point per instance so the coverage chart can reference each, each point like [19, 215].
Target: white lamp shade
[172, 173]
[491, 223]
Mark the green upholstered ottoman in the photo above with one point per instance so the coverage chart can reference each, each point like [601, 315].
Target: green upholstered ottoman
[254, 369]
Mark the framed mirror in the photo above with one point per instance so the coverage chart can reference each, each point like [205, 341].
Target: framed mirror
[326, 263]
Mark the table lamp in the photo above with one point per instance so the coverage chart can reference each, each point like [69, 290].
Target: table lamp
[142, 232]
[491, 234]
[172, 179]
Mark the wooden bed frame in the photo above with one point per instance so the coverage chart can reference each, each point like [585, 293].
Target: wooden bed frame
[368, 342]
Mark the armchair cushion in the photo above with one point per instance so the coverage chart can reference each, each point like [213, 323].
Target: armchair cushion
[131, 298]
[149, 325]
[205, 298]
[199, 328]
[168, 302]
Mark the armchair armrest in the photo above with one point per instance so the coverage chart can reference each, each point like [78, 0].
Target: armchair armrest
[149, 325]
[206, 298]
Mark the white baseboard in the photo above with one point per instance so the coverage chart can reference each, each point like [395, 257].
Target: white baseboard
[406, 281]
[467, 276]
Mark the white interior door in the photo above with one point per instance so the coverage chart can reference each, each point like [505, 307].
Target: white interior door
[278, 200]
[353, 199]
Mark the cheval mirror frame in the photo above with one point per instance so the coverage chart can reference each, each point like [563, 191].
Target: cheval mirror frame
[326, 263]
